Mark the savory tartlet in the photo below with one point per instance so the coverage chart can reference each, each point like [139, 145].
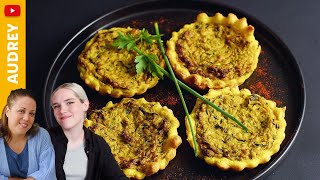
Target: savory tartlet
[214, 52]
[112, 71]
[142, 135]
[223, 143]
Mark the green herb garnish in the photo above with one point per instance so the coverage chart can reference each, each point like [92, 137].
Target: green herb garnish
[148, 62]
[143, 61]
[173, 77]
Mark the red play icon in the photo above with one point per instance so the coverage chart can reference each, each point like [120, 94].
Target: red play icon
[12, 10]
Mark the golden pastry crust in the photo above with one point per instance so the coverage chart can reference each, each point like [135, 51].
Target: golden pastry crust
[142, 135]
[112, 71]
[223, 143]
[214, 52]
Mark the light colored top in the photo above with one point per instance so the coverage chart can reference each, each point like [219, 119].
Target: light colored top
[75, 163]
[41, 157]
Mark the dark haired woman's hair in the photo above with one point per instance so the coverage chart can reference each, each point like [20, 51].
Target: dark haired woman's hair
[13, 96]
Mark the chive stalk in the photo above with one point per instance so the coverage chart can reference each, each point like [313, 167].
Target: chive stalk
[174, 79]
[196, 94]
[129, 43]
[187, 88]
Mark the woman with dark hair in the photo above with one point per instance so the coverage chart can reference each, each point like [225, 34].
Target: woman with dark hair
[26, 151]
[80, 154]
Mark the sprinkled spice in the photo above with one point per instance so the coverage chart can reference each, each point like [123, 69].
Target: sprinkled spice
[262, 71]
[266, 84]
[161, 21]
[259, 88]
[167, 98]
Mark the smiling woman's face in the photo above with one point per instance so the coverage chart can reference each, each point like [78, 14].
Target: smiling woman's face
[68, 110]
[21, 115]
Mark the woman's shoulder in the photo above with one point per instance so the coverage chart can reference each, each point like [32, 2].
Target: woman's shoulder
[40, 141]
[94, 138]
[90, 135]
[42, 134]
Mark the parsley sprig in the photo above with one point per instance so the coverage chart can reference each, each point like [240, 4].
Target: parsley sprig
[148, 62]
[143, 61]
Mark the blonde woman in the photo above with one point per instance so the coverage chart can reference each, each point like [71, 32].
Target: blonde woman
[80, 154]
[26, 151]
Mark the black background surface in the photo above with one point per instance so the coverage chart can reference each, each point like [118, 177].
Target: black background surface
[51, 24]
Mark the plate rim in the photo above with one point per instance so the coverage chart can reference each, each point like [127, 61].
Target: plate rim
[302, 90]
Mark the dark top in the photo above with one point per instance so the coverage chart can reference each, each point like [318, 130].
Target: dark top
[18, 163]
[101, 163]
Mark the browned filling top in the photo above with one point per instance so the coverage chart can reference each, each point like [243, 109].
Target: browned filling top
[114, 66]
[215, 51]
[136, 132]
[220, 137]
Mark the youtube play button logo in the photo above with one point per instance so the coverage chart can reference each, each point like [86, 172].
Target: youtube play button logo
[12, 10]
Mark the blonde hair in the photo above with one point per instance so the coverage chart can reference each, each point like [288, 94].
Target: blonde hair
[77, 90]
[13, 96]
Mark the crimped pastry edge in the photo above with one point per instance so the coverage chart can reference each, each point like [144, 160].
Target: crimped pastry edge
[171, 144]
[227, 164]
[204, 83]
[107, 89]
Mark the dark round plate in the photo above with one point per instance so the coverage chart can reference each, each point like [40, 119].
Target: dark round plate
[277, 77]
